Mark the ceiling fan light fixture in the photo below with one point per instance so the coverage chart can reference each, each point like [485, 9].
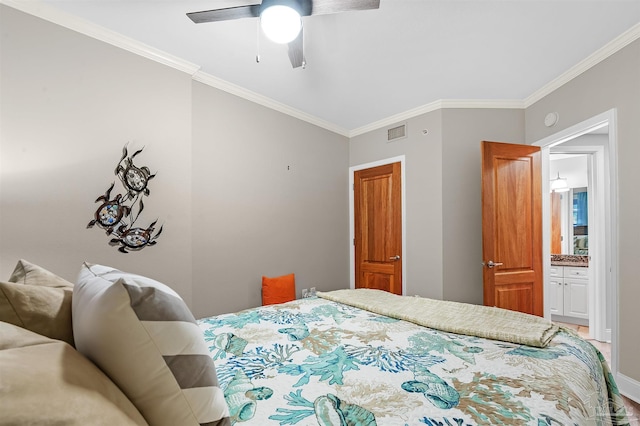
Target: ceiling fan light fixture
[280, 21]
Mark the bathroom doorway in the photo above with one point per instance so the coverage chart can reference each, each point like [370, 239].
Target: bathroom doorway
[575, 222]
[596, 139]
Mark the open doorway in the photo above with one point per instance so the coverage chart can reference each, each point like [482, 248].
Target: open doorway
[596, 140]
[577, 213]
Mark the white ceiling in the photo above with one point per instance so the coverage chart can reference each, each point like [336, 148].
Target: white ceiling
[366, 66]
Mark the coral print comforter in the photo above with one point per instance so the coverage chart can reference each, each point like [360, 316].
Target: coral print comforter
[325, 362]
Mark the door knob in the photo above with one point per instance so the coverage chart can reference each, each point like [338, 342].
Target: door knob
[490, 264]
[396, 257]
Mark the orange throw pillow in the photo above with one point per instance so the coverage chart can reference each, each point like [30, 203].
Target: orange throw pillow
[278, 290]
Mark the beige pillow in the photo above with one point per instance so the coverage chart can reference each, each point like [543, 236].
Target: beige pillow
[38, 300]
[47, 382]
[27, 273]
[143, 336]
[43, 310]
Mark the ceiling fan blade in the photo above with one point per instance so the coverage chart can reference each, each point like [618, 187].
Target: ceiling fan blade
[296, 52]
[226, 14]
[322, 7]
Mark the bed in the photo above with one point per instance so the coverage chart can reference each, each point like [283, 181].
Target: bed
[366, 357]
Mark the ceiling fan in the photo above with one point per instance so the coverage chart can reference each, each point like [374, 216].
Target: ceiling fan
[275, 14]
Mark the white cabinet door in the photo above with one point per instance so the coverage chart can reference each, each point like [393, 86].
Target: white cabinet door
[576, 298]
[556, 299]
[569, 291]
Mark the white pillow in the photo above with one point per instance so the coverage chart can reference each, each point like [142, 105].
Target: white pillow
[143, 336]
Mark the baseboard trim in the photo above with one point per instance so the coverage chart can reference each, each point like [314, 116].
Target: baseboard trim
[628, 387]
[570, 320]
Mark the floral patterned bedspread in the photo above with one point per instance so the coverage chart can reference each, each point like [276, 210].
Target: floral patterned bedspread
[317, 362]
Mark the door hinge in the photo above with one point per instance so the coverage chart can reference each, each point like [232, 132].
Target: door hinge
[353, 186]
[354, 241]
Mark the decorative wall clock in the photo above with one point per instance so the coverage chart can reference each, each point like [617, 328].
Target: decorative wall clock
[118, 215]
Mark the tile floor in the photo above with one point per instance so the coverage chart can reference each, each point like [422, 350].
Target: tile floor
[633, 408]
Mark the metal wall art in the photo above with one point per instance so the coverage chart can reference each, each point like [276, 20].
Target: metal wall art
[118, 215]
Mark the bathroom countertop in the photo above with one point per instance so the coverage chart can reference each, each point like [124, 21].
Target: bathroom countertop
[569, 260]
[577, 264]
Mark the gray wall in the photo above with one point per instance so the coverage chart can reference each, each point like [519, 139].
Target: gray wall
[463, 130]
[444, 234]
[269, 198]
[69, 104]
[231, 209]
[613, 83]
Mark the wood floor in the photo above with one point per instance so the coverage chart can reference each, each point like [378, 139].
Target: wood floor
[633, 408]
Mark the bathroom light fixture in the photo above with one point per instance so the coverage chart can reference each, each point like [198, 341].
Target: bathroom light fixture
[280, 20]
[559, 184]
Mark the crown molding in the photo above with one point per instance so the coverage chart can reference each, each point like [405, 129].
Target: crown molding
[48, 13]
[436, 105]
[482, 103]
[265, 101]
[414, 112]
[624, 39]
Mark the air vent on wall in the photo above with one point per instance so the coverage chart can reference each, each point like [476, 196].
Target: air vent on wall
[398, 132]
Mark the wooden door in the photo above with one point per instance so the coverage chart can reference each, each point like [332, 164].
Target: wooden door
[378, 228]
[512, 227]
[556, 223]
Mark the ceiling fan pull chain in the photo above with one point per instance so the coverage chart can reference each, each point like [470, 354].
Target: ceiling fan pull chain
[304, 60]
[258, 42]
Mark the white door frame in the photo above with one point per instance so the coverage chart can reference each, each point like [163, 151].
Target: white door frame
[606, 193]
[352, 253]
[597, 237]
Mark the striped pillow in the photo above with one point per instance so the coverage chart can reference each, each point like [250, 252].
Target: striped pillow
[143, 336]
